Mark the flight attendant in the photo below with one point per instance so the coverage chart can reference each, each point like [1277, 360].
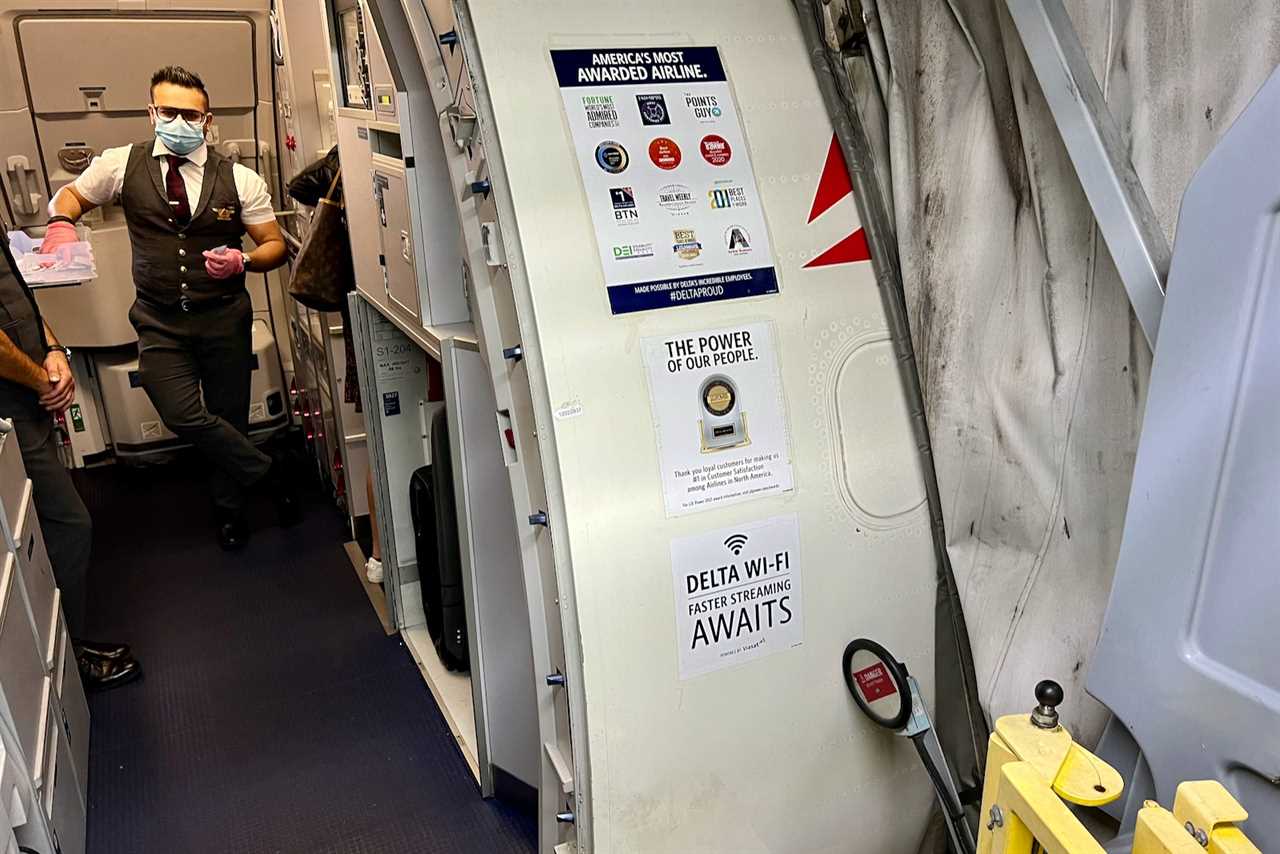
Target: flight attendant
[187, 209]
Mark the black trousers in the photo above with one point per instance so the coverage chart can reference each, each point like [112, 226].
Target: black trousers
[209, 350]
[68, 531]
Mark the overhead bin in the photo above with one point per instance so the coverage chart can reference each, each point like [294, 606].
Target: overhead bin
[107, 78]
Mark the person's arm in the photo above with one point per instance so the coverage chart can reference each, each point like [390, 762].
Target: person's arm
[61, 384]
[17, 367]
[96, 185]
[259, 220]
[271, 250]
[258, 215]
[69, 203]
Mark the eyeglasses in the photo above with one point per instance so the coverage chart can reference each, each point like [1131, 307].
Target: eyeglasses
[168, 114]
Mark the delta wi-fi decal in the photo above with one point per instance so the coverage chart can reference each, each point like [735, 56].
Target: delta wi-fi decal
[832, 187]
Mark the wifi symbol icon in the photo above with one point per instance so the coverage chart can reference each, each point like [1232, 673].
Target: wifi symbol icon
[735, 543]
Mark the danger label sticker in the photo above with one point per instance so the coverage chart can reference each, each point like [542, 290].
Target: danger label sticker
[874, 683]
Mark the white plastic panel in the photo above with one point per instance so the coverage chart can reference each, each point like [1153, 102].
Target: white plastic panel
[45, 764]
[307, 111]
[75, 708]
[433, 222]
[22, 671]
[13, 486]
[498, 613]
[221, 51]
[398, 244]
[355, 452]
[400, 391]
[363, 222]
[769, 756]
[37, 576]
[96, 314]
[352, 421]
[67, 813]
[21, 183]
[357, 468]
[15, 790]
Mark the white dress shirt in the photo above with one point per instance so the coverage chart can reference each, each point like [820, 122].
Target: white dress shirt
[102, 181]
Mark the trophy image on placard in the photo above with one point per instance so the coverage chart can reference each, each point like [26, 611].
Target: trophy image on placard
[724, 424]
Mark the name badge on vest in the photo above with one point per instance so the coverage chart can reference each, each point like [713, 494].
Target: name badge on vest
[224, 214]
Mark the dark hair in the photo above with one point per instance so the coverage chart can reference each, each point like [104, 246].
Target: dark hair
[179, 76]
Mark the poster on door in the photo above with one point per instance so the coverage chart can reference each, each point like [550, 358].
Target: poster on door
[737, 594]
[719, 415]
[669, 182]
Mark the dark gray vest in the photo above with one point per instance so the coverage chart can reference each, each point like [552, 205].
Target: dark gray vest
[167, 255]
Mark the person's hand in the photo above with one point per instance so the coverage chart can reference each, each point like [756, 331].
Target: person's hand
[62, 385]
[56, 236]
[224, 263]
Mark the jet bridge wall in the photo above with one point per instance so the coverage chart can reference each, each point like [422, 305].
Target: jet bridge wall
[1034, 370]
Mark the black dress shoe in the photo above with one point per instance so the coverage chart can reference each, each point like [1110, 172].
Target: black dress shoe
[105, 650]
[99, 674]
[233, 533]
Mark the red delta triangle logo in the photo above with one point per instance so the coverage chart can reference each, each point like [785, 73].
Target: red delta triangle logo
[832, 187]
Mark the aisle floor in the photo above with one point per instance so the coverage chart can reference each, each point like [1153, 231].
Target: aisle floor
[274, 714]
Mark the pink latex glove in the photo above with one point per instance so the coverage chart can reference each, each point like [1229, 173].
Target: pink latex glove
[58, 234]
[224, 263]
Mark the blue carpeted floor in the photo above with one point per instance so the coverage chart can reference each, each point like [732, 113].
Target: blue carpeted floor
[275, 715]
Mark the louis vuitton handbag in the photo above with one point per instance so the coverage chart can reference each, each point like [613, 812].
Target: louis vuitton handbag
[322, 273]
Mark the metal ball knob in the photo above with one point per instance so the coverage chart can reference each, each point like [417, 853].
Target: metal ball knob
[1049, 693]
[1049, 696]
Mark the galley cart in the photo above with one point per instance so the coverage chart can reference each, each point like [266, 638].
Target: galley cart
[44, 718]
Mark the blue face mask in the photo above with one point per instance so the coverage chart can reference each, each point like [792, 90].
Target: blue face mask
[179, 135]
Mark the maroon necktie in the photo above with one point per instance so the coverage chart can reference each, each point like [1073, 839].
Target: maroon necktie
[177, 190]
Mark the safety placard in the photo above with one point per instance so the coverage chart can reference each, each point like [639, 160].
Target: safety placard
[720, 417]
[874, 683]
[737, 594]
[393, 353]
[669, 183]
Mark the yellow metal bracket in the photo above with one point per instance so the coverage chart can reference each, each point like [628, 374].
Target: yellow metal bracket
[1031, 771]
[1034, 771]
[1204, 818]
[1158, 832]
[1075, 774]
[1206, 809]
